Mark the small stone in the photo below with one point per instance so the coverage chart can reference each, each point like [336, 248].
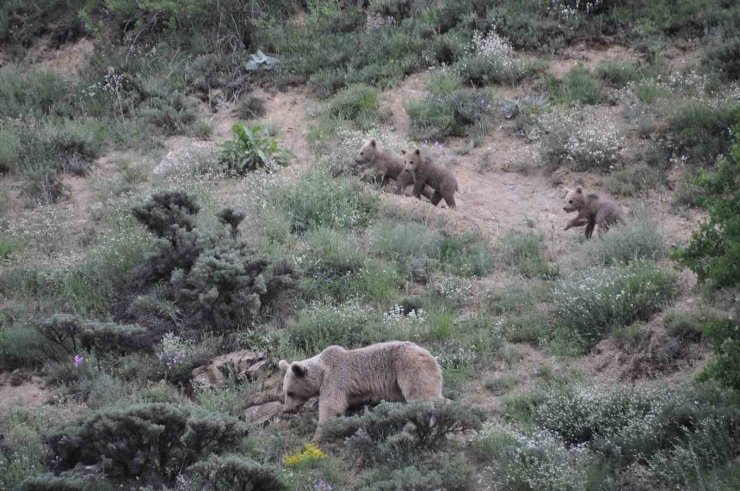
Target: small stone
[258, 415]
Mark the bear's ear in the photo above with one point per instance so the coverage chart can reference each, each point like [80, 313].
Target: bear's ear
[417, 152]
[403, 152]
[283, 366]
[372, 142]
[579, 190]
[298, 369]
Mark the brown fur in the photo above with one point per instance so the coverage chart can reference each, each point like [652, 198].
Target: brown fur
[592, 211]
[389, 166]
[424, 172]
[392, 371]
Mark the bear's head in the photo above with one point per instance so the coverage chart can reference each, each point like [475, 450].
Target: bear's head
[574, 199]
[300, 383]
[411, 160]
[368, 152]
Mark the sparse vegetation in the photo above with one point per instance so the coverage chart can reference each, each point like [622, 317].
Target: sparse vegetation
[136, 247]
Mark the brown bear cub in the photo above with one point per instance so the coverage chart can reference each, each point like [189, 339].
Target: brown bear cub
[388, 165]
[592, 211]
[424, 172]
[392, 371]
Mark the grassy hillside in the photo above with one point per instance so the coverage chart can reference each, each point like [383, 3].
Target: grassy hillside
[178, 183]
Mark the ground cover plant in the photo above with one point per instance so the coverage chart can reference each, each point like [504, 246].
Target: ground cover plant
[181, 208]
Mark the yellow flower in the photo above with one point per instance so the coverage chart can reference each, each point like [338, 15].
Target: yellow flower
[309, 454]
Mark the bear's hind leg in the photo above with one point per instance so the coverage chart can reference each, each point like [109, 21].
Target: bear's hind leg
[436, 198]
[590, 229]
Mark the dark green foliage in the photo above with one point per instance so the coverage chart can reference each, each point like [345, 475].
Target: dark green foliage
[458, 113]
[71, 334]
[22, 21]
[358, 103]
[714, 251]
[724, 336]
[154, 442]
[724, 58]
[227, 285]
[232, 472]
[232, 218]
[166, 212]
[400, 433]
[442, 471]
[50, 482]
[701, 132]
[252, 149]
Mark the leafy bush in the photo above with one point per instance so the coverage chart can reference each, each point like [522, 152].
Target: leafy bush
[315, 199]
[443, 471]
[724, 336]
[525, 252]
[400, 433]
[252, 149]
[358, 103]
[228, 286]
[700, 132]
[594, 301]
[723, 58]
[714, 251]
[459, 113]
[232, 472]
[149, 441]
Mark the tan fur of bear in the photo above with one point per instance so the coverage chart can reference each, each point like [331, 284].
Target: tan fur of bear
[425, 172]
[388, 165]
[392, 371]
[592, 211]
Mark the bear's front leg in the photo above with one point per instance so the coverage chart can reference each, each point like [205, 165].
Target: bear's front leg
[330, 406]
[576, 222]
[418, 187]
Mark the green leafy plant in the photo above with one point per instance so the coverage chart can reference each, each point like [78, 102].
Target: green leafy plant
[714, 251]
[253, 149]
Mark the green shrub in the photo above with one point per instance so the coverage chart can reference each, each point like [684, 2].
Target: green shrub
[357, 103]
[33, 94]
[525, 252]
[534, 461]
[151, 441]
[578, 86]
[232, 472]
[315, 200]
[442, 82]
[440, 472]
[633, 180]
[595, 301]
[10, 144]
[458, 113]
[401, 433]
[618, 73]
[252, 149]
[490, 61]
[700, 132]
[21, 346]
[320, 326]
[72, 335]
[637, 239]
[723, 58]
[50, 482]
[714, 251]
[724, 336]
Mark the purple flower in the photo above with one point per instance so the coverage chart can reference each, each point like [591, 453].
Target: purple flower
[78, 360]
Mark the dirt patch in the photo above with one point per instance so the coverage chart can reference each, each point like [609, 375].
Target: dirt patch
[18, 391]
[67, 60]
